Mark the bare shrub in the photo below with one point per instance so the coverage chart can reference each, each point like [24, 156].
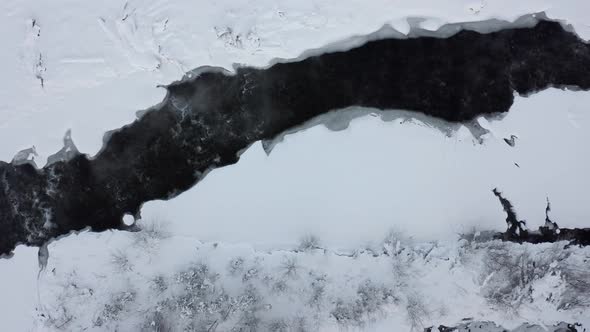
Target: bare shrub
[61, 318]
[198, 291]
[197, 278]
[416, 310]
[290, 266]
[250, 274]
[248, 304]
[278, 325]
[400, 269]
[395, 242]
[121, 261]
[318, 288]
[372, 297]
[369, 302]
[63, 313]
[346, 314]
[279, 286]
[151, 232]
[236, 266]
[157, 322]
[112, 310]
[509, 278]
[577, 292]
[309, 242]
[511, 270]
[300, 324]
[206, 306]
[159, 284]
[249, 321]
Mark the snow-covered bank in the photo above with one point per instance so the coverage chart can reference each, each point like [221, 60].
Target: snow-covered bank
[151, 280]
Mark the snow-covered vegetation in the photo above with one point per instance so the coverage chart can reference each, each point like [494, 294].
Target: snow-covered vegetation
[148, 280]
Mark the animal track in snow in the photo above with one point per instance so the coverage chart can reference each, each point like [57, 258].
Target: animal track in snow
[40, 69]
[477, 8]
[249, 41]
[139, 37]
[31, 55]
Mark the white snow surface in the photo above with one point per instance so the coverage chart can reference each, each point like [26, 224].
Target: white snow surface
[89, 66]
